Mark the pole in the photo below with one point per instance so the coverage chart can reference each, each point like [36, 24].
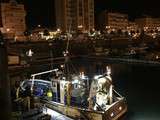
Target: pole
[111, 94]
[5, 98]
[111, 86]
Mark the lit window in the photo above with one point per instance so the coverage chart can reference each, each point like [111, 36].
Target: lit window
[112, 114]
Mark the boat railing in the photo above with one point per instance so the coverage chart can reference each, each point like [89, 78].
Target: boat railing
[33, 76]
[41, 73]
[116, 93]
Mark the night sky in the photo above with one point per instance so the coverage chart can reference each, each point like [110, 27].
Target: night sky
[42, 11]
[134, 8]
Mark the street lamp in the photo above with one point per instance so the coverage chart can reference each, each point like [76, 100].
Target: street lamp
[107, 27]
[80, 26]
[58, 30]
[7, 29]
[39, 25]
[29, 53]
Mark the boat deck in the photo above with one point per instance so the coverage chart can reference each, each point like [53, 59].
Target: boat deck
[55, 115]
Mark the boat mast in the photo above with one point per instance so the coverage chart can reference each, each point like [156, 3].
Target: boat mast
[66, 56]
[67, 69]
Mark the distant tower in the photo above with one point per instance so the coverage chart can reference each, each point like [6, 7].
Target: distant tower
[74, 15]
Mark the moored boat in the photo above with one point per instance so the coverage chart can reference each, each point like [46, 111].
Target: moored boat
[78, 99]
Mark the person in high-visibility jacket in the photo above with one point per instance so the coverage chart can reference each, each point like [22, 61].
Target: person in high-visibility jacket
[49, 94]
[16, 96]
[69, 93]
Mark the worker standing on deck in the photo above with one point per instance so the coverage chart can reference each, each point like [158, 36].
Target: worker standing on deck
[49, 94]
[16, 97]
[69, 93]
[26, 97]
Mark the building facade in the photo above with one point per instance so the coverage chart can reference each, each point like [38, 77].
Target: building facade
[74, 15]
[148, 23]
[115, 21]
[132, 26]
[13, 19]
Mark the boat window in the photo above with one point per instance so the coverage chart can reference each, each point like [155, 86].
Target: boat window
[42, 85]
[75, 86]
[26, 84]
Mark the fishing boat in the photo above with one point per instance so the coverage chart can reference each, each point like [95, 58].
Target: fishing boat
[80, 99]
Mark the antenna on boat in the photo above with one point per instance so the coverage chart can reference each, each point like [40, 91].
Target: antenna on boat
[67, 64]
[66, 68]
[66, 55]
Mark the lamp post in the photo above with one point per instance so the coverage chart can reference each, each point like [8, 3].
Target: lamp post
[29, 54]
[5, 98]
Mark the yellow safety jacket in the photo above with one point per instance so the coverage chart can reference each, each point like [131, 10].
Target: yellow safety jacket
[17, 93]
[49, 94]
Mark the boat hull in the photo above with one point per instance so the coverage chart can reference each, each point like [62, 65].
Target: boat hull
[114, 112]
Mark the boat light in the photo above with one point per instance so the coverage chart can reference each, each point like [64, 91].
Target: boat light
[112, 114]
[82, 75]
[157, 57]
[49, 112]
[29, 53]
[120, 108]
[108, 70]
[102, 81]
[96, 76]
[75, 81]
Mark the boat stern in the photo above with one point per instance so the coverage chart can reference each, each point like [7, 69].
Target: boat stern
[117, 110]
